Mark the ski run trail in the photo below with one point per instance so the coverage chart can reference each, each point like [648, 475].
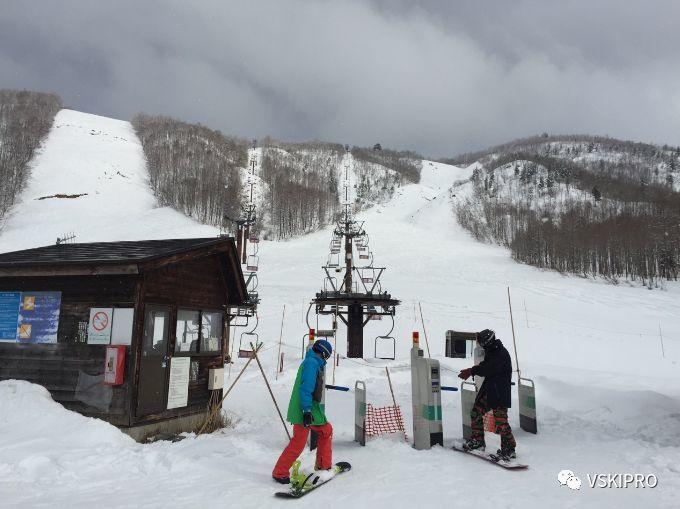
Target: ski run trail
[607, 401]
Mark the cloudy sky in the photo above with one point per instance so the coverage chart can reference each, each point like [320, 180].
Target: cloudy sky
[439, 77]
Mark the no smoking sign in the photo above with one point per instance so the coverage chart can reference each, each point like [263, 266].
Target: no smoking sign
[99, 327]
[100, 321]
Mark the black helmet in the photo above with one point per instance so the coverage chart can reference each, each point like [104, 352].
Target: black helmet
[486, 337]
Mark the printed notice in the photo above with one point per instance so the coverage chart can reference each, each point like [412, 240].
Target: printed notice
[99, 326]
[178, 387]
[9, 315]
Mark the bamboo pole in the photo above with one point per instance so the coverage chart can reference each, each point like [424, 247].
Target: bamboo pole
[270, 389]
[514, 340]
[526, 315]
[394, 400]
[231, 349]
[663, 352]
[278, 356]
[427, 343]
[219, 405]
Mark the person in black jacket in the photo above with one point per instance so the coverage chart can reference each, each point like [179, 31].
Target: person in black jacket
[494, 394]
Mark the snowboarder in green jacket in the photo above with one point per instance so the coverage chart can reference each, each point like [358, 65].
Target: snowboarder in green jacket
[305, 412]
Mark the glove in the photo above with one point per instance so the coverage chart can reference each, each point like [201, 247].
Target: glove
[307, 419]
[465, 373]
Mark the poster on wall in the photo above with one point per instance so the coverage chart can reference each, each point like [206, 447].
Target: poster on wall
[9, 315]
[39, 317]
[99, 326]
[178, 387]
[121, 331]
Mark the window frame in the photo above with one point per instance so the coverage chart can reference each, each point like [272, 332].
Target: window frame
[199, 353]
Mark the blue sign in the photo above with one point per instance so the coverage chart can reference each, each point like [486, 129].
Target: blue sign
[39, 317]
[9, 315]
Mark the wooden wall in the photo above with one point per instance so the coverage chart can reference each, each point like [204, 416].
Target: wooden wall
[191, 284]
[70, 370]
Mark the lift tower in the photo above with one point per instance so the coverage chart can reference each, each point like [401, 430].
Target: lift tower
[359, 297]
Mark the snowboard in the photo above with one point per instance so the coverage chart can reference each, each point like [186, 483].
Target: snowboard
[302, 483]
[512, 464]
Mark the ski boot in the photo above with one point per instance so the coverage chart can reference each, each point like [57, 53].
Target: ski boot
[474, 444]
[506, 454]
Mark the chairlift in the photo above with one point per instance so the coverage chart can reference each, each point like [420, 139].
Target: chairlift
[366, 276]
[247, 353]
[330, 283]
[333, 260]
[252, 263]
[387, 338]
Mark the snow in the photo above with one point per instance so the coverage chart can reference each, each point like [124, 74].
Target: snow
[607, 401]
[101, 158]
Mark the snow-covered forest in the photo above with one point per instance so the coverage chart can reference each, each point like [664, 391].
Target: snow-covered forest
[25, 119]
[192, 168]
[584, 205]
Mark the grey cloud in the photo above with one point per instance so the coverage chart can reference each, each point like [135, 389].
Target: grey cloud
[438, 77]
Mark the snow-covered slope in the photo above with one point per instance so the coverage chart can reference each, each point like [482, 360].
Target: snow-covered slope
[99, 163]
[607, 401]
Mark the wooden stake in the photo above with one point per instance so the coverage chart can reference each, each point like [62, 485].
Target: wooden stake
[394, 400]
[663, 353]
[219, 405]
[283, 316]
[427, 343]
[269, 388]
[526, 315]
[514, 341]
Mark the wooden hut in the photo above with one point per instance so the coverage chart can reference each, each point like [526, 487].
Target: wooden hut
[134, 333]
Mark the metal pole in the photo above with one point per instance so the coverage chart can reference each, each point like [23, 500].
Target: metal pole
[514, 341]
[427, 343]
[219, 405]
[663, 353]
[270, 389]
[278, 356]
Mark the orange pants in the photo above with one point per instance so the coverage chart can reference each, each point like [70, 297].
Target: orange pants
[324, 449]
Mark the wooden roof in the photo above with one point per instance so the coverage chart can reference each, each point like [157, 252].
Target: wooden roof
[103, 252]
[124, 257]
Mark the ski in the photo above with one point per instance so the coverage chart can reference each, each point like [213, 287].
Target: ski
[309, 482]
[493, 458]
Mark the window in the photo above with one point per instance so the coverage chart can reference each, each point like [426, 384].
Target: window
[211, 332]
[198, 332]
[187, 331]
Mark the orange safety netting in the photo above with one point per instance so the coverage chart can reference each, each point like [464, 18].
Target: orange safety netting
[386, 419]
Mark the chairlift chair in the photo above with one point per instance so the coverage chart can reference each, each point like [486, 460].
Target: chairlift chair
[367, 275]
[331, 282]
[247, 352]
[334, 260]
[387, 338]
[252, 263]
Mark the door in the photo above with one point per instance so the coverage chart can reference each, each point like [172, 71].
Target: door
[153, 369]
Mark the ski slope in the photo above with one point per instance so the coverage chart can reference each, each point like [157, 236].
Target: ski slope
[99, 162]
[607, 401]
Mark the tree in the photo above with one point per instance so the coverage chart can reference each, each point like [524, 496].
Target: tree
[597, 196]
